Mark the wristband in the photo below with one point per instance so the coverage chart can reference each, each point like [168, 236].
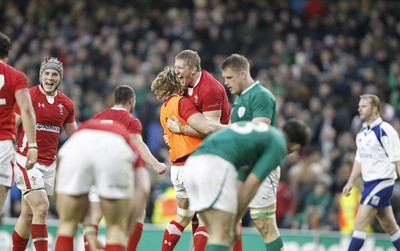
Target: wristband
[32, 146]
[89, 229]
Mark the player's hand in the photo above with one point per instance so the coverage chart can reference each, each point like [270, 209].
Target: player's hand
[31, 158]
[94, 243]
[165, 138]
[347, 188]
[237, 232]
[174, 125]
[160, 168]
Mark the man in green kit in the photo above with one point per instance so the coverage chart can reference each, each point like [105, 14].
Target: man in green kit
[255, 103]
[225, 172]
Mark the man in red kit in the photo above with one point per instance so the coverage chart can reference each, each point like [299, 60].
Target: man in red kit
[54, 112]
[168, 87]
[13, 90]
[210, 98]
[124, 104]
[100, 153]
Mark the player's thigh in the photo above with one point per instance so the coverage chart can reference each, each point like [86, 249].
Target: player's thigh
[178, 180]
[72, 208]
[365, 215]
[75, 171]
[115, 210]
[387, 220]
[28, 180]
[220, 225]
[211, 183]
[49, 173]
[7, 161]
[266, 193]
[113, 165]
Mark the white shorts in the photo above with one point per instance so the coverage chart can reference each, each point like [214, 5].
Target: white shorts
[93, 194]
[211, 182]
[7, 162]
[266, 193]
[94, 157]
[177, 179]
[38, 177]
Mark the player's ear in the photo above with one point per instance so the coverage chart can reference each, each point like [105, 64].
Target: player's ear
[243, 74]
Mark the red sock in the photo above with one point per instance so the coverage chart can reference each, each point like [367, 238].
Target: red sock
[238, 246]
[172, 234]
[39, 237]
[200, 239]
[195, 223]
[135, 236]
[64, 243]
[19, 243]
[86, 243]
[114, 247]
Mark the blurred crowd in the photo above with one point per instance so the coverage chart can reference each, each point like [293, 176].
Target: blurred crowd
[316, 56]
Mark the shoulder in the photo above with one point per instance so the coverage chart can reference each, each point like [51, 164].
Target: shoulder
[185, 101]
[260, 90]
[65, 99]
[388, 129]
[209, 80]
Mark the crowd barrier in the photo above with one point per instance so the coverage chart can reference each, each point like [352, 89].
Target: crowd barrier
[294, 240]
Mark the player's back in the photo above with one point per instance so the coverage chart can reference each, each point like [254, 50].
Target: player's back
[247, 141]
[11, 80]
[123, 117]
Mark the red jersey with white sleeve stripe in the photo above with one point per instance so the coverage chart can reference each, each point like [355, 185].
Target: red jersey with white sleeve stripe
[114, 127]
[122, 116]
[11, 80]
[52, 112]
[210, 95]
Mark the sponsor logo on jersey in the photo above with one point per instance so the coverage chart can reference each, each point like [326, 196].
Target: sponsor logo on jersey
[47, 128]
[40, 105]
[241, 111]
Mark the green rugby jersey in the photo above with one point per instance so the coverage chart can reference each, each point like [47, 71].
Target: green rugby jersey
[249, 146]
[255, 101]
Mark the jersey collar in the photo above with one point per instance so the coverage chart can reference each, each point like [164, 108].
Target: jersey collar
[250, 87]
[198, 80]
[375, 123]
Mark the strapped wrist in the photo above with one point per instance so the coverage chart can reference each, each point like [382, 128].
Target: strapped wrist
[32, 146]
[182, 129]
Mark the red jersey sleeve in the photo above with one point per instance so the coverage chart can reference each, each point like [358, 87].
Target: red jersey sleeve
[135, 126]
[186, 108]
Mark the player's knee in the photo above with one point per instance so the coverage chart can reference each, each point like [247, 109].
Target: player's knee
[184, 216]
[187, 213]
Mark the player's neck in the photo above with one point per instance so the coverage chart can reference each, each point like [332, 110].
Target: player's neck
[120, 106]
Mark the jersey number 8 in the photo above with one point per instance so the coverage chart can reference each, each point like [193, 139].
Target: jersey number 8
[246, 128]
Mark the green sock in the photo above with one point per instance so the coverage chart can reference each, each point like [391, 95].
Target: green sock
[212, 247]
[275, 245]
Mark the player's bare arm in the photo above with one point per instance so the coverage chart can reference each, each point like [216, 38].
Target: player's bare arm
[200, 125]
[69, 128]
[355, 172]
[147, 156]
[246, 192]
[28, 120]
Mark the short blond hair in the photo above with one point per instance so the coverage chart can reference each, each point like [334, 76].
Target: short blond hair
[190, 57]
[373, 100]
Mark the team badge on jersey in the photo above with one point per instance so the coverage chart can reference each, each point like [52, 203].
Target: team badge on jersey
[61, 109]
[241, 111]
